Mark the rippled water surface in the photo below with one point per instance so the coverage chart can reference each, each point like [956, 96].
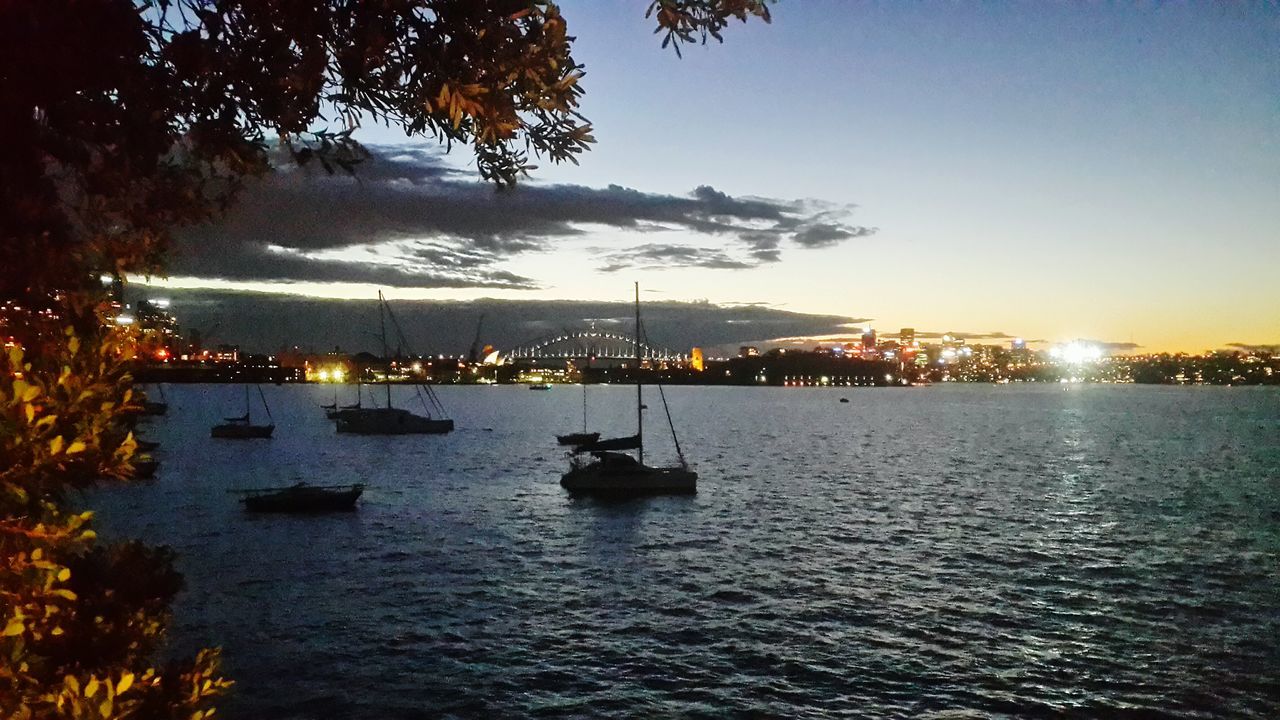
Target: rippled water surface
[968, 551]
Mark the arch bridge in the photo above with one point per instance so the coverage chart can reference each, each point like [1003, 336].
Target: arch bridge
[588, 344]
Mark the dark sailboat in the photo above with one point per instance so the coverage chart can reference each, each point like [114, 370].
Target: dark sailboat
[302, 498]
[392, 420]
[609, 471]
[584, 437]
[242, 428]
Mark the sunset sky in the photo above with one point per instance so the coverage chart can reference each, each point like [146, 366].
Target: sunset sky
[1051, 171]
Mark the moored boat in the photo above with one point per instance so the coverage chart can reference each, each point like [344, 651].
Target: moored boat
[392, 420]
[389, 421]
[576, 439]
[610, 472]
[302, 498]
[584, 437]
[242, 428]
[144, 468]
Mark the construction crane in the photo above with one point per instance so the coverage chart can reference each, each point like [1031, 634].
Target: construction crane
[474, 355]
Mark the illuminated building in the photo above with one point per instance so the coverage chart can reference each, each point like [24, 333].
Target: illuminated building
[907, 336]
[869, 344]
[748, 351]
[696, 361]
[159, 329]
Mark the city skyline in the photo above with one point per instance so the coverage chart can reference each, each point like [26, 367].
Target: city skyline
[1070, 173]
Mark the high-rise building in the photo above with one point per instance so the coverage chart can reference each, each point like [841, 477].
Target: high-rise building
[907, 336]
[159, 328]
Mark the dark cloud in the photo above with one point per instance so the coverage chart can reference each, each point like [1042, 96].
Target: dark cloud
[665, 255]
[1108, 345]
[820, 235]
[266, 322]
[1271, 349]
[407, 219]
[966, 336]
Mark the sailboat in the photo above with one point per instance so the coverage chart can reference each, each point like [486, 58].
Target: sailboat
[392, 420]
[331, 408]
[242, 428]
[333, 411]
[612, 472]
[584, 437]
[156, 407]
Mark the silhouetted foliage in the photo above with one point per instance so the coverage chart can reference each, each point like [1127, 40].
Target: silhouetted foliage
[124, 120]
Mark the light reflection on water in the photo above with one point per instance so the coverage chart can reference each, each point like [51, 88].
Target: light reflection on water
[996, 550]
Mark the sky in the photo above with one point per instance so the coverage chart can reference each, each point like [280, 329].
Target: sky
[1053, 171]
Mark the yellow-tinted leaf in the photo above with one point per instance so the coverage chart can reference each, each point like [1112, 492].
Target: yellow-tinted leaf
[55, 445]
[64, 574]
[62, 593]
[91, 688]
[71, 682]
[31, 393]
[30, 412]
[75, 447]
[15, 627]
[126, 682]
[56, 631]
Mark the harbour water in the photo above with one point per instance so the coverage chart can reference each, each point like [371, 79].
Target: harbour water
[953, 551]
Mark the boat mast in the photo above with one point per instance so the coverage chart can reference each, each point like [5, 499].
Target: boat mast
[265, 406]
[639, 401]
[382, 325]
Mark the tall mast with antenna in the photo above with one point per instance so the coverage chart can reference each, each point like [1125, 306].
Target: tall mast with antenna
[382, 326]
[639, 396]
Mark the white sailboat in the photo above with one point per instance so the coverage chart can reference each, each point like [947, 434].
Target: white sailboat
[600, 468]
[391, 420]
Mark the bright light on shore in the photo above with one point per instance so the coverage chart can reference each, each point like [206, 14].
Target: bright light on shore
[1075, 352]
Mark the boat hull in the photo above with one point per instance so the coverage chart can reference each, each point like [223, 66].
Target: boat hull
[578, 438]
[393, 422]
[144, 468]
[595, 479]
[304, 500]
[242, 432]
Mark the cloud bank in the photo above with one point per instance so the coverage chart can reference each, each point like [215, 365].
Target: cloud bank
[408, 220]
[267, 322]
